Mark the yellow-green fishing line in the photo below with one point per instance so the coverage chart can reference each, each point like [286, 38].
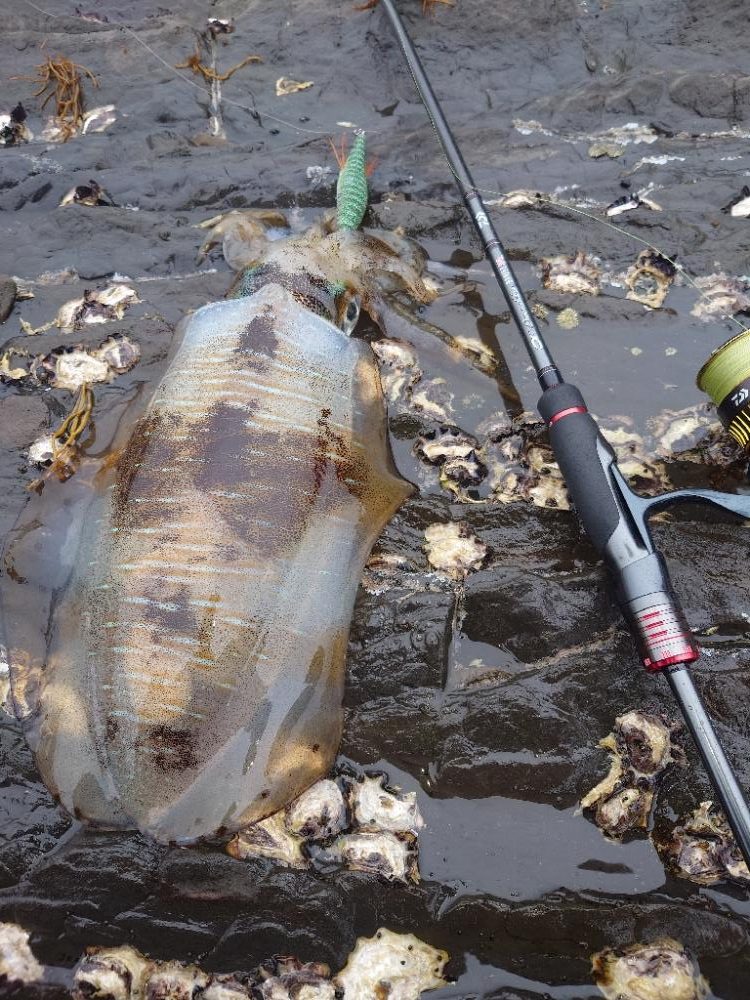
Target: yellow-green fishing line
[351, 190]
[726, 368]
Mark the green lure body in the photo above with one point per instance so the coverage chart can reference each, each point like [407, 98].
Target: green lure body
[351, 190]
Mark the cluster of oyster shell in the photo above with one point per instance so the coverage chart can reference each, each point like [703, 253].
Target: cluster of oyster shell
[400, 966]
[359, 823]
[511, 460]
[641, 749]
[647, 280]
[95, 306]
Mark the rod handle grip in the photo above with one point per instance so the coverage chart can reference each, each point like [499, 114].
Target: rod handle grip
[584, 458]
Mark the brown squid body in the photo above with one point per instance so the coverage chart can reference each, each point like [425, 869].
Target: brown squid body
[177, 646]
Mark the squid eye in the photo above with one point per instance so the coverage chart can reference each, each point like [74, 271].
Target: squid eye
[350, 317]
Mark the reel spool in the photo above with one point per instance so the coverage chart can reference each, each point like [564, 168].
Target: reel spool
[725, 377]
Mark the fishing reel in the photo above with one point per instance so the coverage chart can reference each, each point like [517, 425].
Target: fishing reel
[726, 379]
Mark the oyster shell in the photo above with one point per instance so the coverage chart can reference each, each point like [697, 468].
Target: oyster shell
[17, 962]
[120, 353]
[110, 974]
[455, 453]
[374, 806]
[433, 398]
[269, 838]
[378, 852]
[649, 279]
[223, 987]
[452, 549]
[319, 813]
[641, 749]
[721, 295]
[73, 368]
[100, 306]
[702, 848]
[661, 970]
[174, 981]
[576, 274]
[396, 966]
[399, 370]
[285, 978]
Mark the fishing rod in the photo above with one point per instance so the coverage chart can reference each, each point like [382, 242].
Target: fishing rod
[612, 515]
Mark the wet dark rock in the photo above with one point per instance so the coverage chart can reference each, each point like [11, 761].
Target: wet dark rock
[497, 700]
[8, 292]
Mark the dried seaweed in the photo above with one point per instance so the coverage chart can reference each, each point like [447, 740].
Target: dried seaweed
[195, 63]
[62, 80]
[65, 439]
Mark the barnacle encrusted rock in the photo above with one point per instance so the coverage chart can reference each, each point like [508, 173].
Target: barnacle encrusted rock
[396, 966]
[661, 970]
[641, 749]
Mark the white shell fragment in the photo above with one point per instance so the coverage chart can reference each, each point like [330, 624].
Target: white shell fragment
[396, 966]
[577, 274]
[661, 970]
[42, 451]
[17, 962]
[374, 806]
[739, 207]
[319, 813]
[285, 86]
[452, 549]
[110, 974]
[378, 852]
[99, 119]
[269, 838]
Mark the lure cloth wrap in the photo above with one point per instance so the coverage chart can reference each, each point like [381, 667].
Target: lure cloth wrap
[351, 190]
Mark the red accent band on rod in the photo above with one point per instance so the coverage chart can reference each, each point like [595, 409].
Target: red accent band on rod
[565, 413]
[670, 661]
